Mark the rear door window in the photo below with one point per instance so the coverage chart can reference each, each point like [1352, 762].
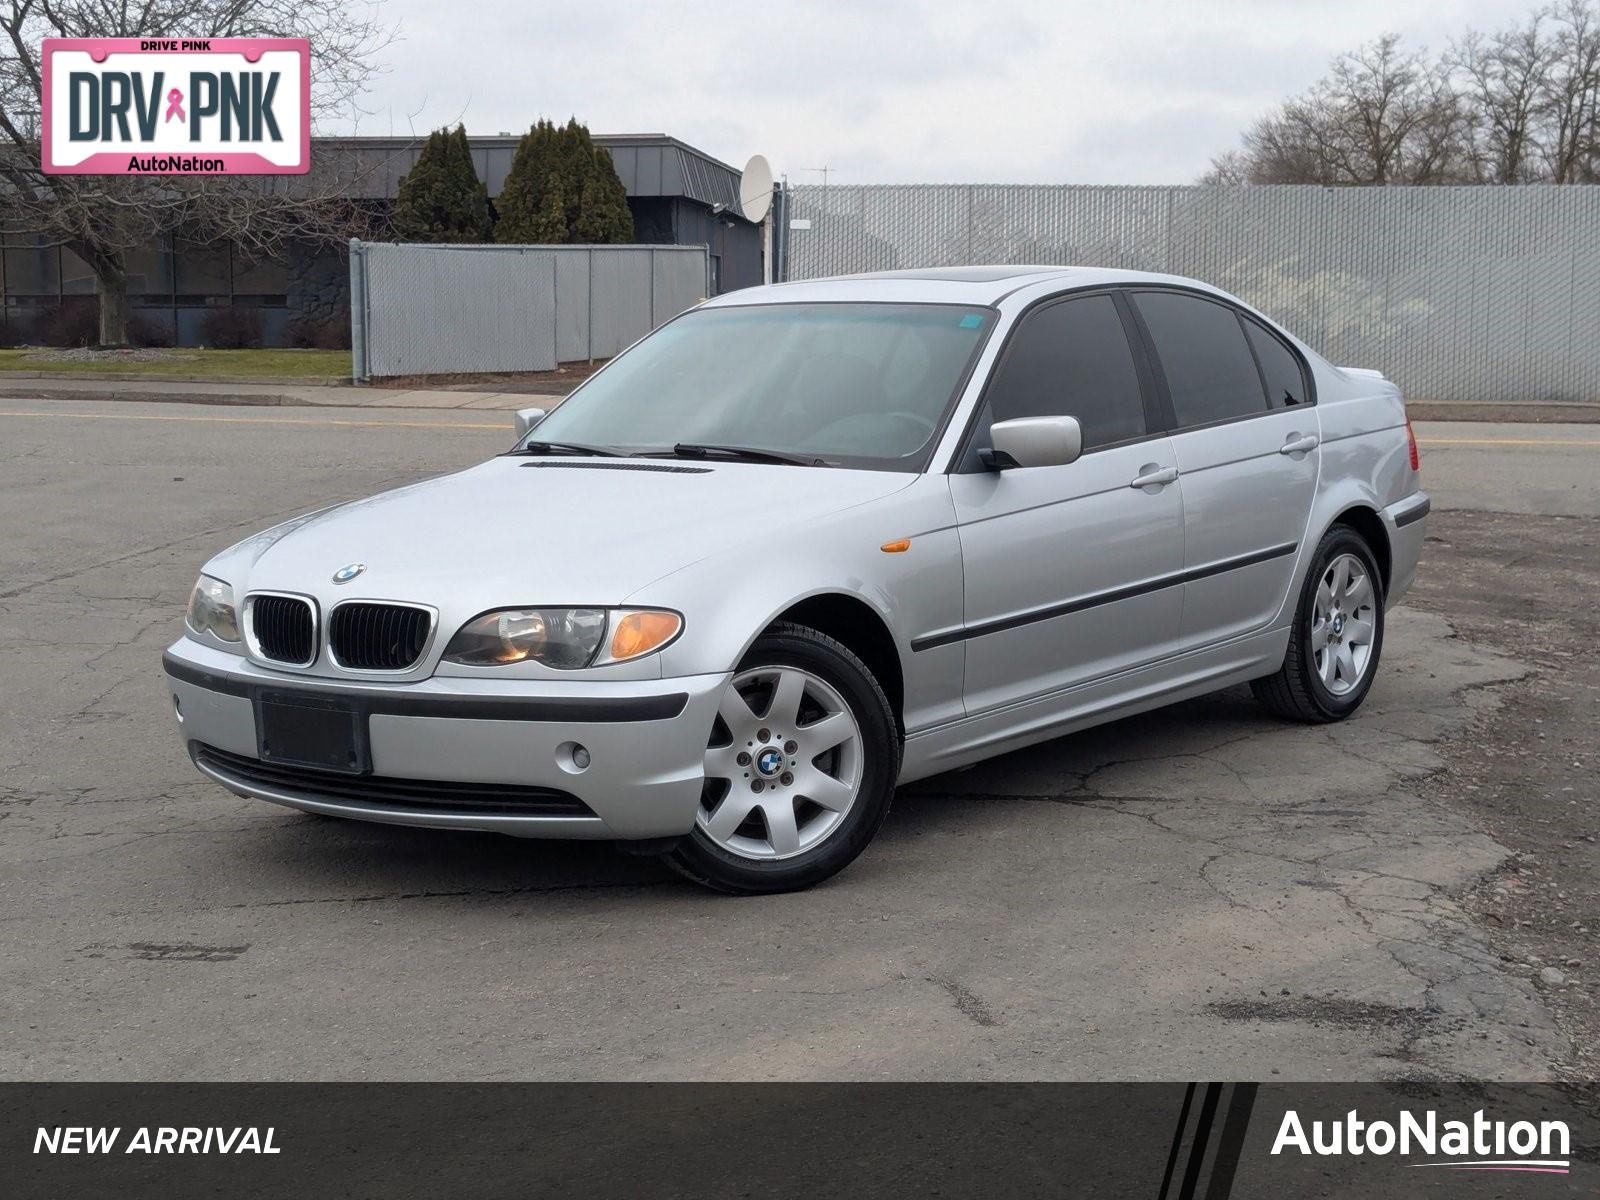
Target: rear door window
[1286, 382]
[1210, 371]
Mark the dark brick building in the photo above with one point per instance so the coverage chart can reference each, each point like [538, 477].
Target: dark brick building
[678, 196]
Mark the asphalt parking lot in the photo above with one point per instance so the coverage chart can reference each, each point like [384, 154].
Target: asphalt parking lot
[1200, 892]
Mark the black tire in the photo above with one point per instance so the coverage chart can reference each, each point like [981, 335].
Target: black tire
[1296, 691]
[787, 644]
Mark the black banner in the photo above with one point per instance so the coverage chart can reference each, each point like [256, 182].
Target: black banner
[1162, 1141]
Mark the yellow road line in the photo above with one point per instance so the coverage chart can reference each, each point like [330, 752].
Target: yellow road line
[500, 425]
[1421, 441]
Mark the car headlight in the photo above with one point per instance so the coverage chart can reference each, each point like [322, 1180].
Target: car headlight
[211, 610]
[564, 638]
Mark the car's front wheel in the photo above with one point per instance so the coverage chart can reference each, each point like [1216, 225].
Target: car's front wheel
[800, 768]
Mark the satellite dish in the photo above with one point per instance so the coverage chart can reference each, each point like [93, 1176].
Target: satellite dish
[755, 189]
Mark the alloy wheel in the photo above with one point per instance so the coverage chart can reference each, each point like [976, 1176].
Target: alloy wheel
[784, 765]
[1343, 624]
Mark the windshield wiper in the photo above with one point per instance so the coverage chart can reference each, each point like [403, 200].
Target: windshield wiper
[746, 453]
[567, 448]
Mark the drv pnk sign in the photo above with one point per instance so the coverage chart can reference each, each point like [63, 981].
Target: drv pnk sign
[177, 106]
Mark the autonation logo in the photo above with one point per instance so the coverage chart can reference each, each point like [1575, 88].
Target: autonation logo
[1476, 1145]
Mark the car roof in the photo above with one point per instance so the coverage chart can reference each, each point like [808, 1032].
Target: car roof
[942, 285]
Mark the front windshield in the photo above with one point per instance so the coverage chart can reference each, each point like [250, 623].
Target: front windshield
[857, 385]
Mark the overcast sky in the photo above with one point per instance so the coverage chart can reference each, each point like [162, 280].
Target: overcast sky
[894, 91]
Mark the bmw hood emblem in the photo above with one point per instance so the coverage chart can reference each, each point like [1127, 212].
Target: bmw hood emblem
[346, 573]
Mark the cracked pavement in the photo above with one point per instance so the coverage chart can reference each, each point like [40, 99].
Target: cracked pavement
[1197, 892]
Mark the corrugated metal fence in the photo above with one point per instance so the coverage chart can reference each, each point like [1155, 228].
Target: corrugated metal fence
[1455, 293]
[435, 310]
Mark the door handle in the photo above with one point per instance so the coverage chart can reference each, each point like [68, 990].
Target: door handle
[1298, 444]
[1154, 476]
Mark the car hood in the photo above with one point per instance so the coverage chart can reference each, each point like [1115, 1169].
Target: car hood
[519, 530]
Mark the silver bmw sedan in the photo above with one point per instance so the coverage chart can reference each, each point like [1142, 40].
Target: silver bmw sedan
[808, 542]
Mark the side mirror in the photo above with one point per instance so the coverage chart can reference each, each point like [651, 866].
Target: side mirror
[1033, 442]
[527, 418]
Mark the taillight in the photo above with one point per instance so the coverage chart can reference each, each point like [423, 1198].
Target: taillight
[1411, 445]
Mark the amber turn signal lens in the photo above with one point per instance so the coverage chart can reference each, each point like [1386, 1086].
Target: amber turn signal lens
[896, 547]
[639, 633]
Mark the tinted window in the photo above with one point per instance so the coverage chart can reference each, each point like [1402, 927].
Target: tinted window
[1286, 383]
[1209, 369]
[1071, 360]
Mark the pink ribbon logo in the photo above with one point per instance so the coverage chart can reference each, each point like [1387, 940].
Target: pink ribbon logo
[175, 105]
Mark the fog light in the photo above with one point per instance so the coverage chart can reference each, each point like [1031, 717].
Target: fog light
[573, 757]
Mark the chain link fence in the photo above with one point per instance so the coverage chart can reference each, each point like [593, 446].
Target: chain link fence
[1479, 293]
[445, 310]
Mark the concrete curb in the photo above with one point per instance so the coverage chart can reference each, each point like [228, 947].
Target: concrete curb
[190, 392]
[141, 377]
[1561, 413]
[269, 399]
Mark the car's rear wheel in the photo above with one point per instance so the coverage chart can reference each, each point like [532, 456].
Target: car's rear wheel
[1337, 637]
[800, 768]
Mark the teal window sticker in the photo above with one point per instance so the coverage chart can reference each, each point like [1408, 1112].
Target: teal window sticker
[972, 321]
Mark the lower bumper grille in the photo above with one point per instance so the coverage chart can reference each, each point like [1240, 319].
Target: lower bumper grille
[420, 795]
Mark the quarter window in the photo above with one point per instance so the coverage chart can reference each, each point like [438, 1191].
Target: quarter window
[1071, 359]
[1286, 382]
[1209, 368]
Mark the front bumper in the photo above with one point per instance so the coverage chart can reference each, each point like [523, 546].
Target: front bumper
[646, 741]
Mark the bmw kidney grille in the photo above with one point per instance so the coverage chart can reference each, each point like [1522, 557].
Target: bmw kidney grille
[378, 637]
[284, 628]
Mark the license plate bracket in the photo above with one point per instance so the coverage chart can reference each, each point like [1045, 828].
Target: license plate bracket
[303, 730]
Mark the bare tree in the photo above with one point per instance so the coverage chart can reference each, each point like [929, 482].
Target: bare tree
[1381, 115]
[1518, 106]
[1438, 148]
[1570, 101]
[1231, 167]
[1504, 82]
[102, 218]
